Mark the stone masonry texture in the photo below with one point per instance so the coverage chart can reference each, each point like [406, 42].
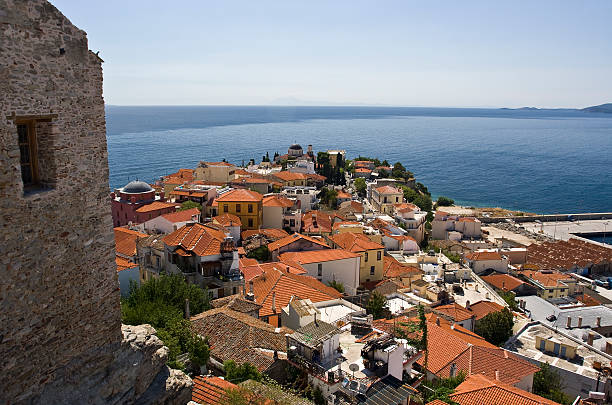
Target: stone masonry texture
[61, 337]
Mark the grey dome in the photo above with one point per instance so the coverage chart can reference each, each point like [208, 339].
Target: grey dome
[295, 146]
[135, 187]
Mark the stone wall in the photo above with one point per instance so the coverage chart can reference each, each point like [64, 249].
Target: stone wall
[59, 295]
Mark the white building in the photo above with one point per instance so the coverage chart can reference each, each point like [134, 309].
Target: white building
[168, 223]
[445, 226]
[483, 260]
[306, 195]
[329, 265]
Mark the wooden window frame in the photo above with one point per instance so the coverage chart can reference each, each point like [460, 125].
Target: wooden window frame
[32, 150]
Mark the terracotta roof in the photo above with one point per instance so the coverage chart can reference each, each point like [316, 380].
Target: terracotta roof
[253, 270]
[342, 224]
[436, 402]
[247, 261]
[449, 343]
[479, 389]
[240, 337]
[188, 193]
[316, 177]
[240, 195]
[293, 238]
[203, 240]
[227, 220]
[392, 268]
[286, 285]
[155, 206]
[218, 164]
[468, 219]
[242, 172]
[405, 207]
[209, 390]
[124, 264]
[289, 176]
[503, 282]
[547, 278]
[362, 170]
[277, 201]
[181, 216]
[483, 308]
[271, 233]
[476, 256]
[343, 194]
[236, 303]
[316, 222]
[185, 174]
[174, 180]
[567, 254]
[389, 190]
[355, 242]
[455, 312]
[352, 205]
[318, 256]
[125, 241]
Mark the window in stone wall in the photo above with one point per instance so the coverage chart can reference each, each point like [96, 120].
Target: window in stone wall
[28, 155]
[35, 138]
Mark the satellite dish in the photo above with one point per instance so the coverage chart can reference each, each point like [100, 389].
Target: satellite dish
[354, 367]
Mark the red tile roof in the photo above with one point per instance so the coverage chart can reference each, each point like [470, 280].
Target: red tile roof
[362, 170]
[277, 201]
[271, 233]
[355, 242]
[156, 206]
[503, 282]
[227, 220]
[208, 390]
[567, 254]
[293, 238]
[124, 264]
[317, 222]
[289, 176]
[477, 256]
[392, 268]
[286, 285]
[240, 195]
[548, 278]
[483, 308]
[318, 256]
[125, 241]
[181, 216]
[479, 389]
[251, 270]
[203, 240]
[343, 194]
[240, 337]
[455, 311]
[389, 190]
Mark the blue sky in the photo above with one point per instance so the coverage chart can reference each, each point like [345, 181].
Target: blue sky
[405, 53]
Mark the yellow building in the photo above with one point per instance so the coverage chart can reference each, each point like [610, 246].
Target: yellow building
[384, 198]
[552, 345]
[215, 172]
[372, 254]
[551, 283]
[245, 204]
[290, 179]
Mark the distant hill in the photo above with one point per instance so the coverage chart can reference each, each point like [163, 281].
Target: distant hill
[603, 108]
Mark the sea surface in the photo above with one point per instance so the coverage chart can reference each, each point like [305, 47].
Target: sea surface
[546, 161]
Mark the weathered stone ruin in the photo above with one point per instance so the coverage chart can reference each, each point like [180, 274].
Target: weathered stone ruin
[61, 338]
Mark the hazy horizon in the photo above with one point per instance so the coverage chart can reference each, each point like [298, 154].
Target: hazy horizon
[549, 54]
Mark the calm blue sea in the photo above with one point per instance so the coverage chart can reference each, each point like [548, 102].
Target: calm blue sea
[547, 161]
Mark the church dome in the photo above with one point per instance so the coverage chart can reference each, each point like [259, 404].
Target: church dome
[295, 146]
[136, 187]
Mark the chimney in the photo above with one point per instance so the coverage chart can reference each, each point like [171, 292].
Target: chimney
[599, 321]
[162, 196]
[609, 347]
[476, 287]
[505, 354]
[497, 375]
[274, 301]
[504, 285]
[187, 316]
[287, 268]
[569, 322]
[315, 319]
[438, 320]
[580, 322]
[590, 338]
[244, 289]
[251, 286]
[467, 305]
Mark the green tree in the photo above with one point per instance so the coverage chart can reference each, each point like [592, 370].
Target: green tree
[547, 383]
[187, 205]
[360, 186]
[442, 389]
[199, 351]
[424, 202]
[416, 333]
[238, 373]
[445, 201]
[261, 254]
[508, 296]
[377, 304]
[336, 285]
[496, 327]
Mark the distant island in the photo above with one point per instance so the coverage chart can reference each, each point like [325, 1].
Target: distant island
[602, 108]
